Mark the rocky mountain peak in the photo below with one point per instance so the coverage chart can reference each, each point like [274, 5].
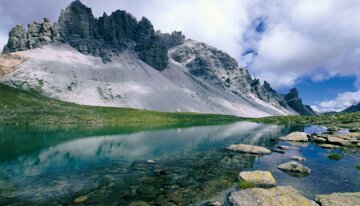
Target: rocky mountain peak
[105, 36]
[295, 102]
[292, 95]
[77, 20]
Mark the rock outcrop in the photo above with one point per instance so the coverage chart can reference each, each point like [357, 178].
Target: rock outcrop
[37, 35]
[281, 195]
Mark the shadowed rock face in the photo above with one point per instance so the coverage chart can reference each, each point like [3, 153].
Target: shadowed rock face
[294, 101]
[353, 108]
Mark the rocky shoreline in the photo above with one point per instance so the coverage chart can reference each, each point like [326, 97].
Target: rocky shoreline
[259, 187]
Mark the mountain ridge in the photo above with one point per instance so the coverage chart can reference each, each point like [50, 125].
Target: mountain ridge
[111, 37]
[352, 108]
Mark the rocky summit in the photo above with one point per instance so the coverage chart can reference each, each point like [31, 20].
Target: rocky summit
[140, 67]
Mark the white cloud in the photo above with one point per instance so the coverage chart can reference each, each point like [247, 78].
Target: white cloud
[341, 102]
[318, 39]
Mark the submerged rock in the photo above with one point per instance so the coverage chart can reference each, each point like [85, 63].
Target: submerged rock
[215, 203]
[328, 146]
[343, 199]
[248, 149]
[80, 199]
[288, 147]
[294, 168]
[278, 151]
[281, 195]
[139, 203]
[296, 136]
[259, 178]
[298, 158]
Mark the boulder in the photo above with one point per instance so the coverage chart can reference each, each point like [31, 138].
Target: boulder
[294, 168]
[316, 138]
[298, 158]
[259, 178]
[248, 149]
[281, 195]
[337, 141]
[296, 136]
[340, 199]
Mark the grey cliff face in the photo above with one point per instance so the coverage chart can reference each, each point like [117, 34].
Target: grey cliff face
[37, 35]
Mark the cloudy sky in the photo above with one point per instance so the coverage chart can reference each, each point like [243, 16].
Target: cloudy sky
[313, 45]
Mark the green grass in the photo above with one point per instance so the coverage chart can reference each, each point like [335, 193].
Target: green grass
[334, 156]
[357, 167]
[242, 184]
[26, 107]
[349, 120]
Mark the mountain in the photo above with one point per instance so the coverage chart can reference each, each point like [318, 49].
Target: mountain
[115, 60]
[353, 108]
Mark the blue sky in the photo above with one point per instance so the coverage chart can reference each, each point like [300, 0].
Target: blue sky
[311, 45]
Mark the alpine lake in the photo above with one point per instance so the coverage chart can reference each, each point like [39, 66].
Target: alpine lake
[187, 165]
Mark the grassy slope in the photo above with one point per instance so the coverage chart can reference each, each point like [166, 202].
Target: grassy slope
[24, 107]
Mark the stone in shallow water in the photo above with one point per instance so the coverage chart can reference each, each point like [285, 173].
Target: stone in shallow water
[294, 167]
[298, 158]
[281, 195]
[259, 178]
[248, 149]
[328, 146]
[341, 199]
[278, 151]
[80, 199]
[287, 147]
[215, 203]
[337, 141]
[139, 203]
[317, 139]
[296, 136]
